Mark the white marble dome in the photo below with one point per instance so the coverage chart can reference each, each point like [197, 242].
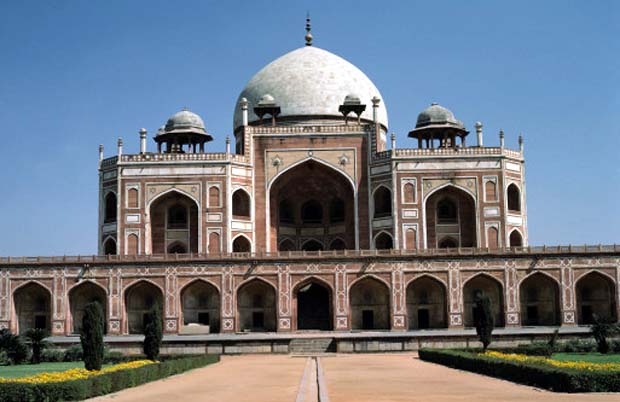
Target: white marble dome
[307, 82]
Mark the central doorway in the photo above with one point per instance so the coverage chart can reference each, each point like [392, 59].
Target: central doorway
[314, 307]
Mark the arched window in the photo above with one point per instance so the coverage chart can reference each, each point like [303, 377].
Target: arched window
[214, 242]
[492, 237]
[132, 244]
[447, 212]
[383, 202]
[490, 191]
[109, 247]
[411, 239]
[286, 245]
[384, 241]
[177, 217]
[515, 239]
[177, 248]
[312, 245]
[241, 245]
[110, 208]
[241, 204]
[132, 198]
[214, 196]
[336, 211]
[447, 242]
[285, 212]
[408, 193]
[337, 244]
[514, 198]
[312, 212]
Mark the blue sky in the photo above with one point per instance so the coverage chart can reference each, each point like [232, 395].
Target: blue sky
[74, 74]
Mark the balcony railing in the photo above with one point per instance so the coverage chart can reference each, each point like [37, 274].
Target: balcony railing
[165, 157]
[293, 255]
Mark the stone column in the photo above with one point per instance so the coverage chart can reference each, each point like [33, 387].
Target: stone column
[399, 307]
[284, 299]
[455, 296]
[568, 292]
[342, 299]
[228, 301]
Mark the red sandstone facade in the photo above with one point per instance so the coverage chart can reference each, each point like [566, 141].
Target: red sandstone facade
[313, 223]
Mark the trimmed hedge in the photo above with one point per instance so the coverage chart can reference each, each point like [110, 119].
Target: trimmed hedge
[102, 384]
[542, 376]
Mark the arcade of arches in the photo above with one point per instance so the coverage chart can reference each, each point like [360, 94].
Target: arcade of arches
[314, 302]
[311, 208]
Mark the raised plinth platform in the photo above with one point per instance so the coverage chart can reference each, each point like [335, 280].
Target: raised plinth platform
[343, 342]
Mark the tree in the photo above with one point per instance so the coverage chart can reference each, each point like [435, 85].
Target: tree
[13, 345]
[36, 339]
[153, 333]
[91, 336]
[483, 319]
[601, 330]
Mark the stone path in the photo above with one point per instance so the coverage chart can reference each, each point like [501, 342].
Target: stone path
[337, 378]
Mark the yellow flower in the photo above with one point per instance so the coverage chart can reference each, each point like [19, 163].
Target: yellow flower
[75, 374]
[554, 363]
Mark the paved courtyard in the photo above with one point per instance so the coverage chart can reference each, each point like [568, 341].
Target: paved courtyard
[340, 378]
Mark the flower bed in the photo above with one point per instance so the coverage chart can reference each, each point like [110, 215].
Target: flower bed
[79, 384]
[537, 371]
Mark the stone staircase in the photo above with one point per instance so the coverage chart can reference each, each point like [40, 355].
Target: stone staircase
[305, 346]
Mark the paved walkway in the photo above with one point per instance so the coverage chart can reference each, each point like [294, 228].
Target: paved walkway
[342, 378]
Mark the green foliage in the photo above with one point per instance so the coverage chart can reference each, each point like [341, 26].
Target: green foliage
[73, 353]
[483, 319]
[538, 375]
[36, 339]
[601, 330]
[14, 347]
[103, 384]
[153, 333]
[91, 336]
[553, 339]
[52, 355]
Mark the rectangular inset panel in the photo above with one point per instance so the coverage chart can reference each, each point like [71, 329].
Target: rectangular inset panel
[513, 166]
[236, 225]
[381, 223]
[410, 213]
[132, 218]
[515, 220]
[491, 211]
[216, 217]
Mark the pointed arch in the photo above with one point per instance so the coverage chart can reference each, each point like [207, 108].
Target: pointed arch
[337, 244]
[82, 293]
[369, 299]
[595, 292]
[109, 246]
[165, 229]
[383, 240]
[427, 306]
[200, 305]
[241, 203]
[382, 201]
[32, 302]
[516, 238]
[139, 298]
[513, 198]
[488, 286]
[312, 245]
[539, 296]
[313, 304]
[110, 207]
[242, 244]
[256, 305]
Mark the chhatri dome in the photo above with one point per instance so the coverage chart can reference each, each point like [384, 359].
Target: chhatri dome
[309, 83]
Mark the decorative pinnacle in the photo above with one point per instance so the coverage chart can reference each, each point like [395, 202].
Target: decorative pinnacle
[308, 36]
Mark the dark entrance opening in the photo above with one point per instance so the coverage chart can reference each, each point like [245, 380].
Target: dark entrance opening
[313, 307]
[586, 315]
[424, 320]
[258, 320]
[368, 319]
[40, 321]
[203, 318]
[532, 315]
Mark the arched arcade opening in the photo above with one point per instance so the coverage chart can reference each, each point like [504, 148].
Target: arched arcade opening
[540, 301]
[139, 300]
[486, 286]
[595, 298]
[81, 295]
[370, 304]
[311, 201]
[256, 305]
[426, 304]
[33, 307]
[450, 219]
[313, 301]
[200, 304]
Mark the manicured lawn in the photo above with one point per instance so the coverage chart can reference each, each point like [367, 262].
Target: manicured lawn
[24, 370]
[587, 357]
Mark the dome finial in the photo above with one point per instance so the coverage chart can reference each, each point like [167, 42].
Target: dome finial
[308, 29]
